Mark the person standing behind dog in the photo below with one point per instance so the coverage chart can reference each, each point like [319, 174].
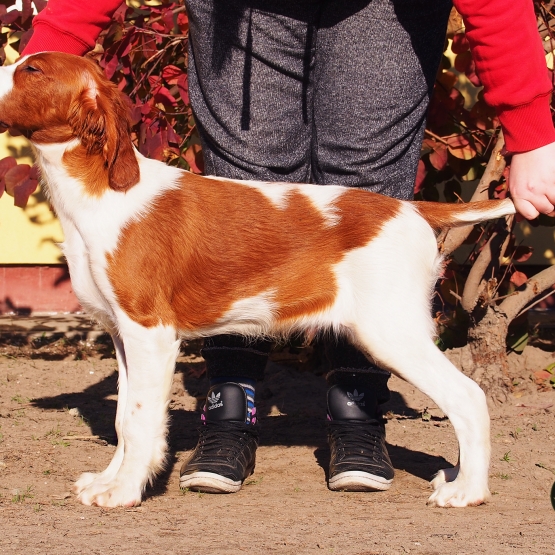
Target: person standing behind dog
[330, 92]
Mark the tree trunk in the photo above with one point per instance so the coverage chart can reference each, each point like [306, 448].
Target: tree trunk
[487, 340]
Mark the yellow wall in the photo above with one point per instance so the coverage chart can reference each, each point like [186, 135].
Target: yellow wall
[27, 236]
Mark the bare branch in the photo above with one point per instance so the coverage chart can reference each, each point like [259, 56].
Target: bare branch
[449, 240]
[436, 137]
[544, 30]
[476, 283]
[510, 222]
[456, 295]
[513, 305]
[510, 228]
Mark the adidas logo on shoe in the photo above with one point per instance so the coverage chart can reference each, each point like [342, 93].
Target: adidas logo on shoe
[355, 398]
[214, 401]
[226, 402]
[343, 404]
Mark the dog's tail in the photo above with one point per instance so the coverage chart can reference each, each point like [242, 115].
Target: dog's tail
[444, 215]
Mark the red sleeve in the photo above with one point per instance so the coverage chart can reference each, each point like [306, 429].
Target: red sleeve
[70, 26]
[510, 62]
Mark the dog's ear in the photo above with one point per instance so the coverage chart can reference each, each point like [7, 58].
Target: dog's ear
[99, 117]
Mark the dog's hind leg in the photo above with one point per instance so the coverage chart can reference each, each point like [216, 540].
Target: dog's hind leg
[414, 357]
[150, 355]
[87, 478]
[386, 305]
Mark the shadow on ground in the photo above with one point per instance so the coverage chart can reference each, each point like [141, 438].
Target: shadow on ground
[290, 402]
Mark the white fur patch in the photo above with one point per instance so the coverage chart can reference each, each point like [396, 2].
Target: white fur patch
[253, 310]
[323, 197]
[400, 261]
[250, 317]
[100, 219]
[476, 216]
[6, 77]
[150, 356]
[276, 193]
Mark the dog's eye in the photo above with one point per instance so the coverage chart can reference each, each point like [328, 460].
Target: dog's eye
[31, 69]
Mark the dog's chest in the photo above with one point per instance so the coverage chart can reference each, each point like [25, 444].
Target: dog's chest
[88, 276]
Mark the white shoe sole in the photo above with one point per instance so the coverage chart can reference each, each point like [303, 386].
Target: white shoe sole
[355, 480]
[208, 482]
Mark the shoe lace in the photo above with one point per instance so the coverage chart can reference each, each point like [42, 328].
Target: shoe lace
[353, 437]
[224, 439]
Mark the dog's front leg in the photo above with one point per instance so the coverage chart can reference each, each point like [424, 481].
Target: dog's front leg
[149, 356]
[105, 477]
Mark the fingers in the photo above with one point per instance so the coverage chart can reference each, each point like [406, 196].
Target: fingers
[526, 208]
[534, 206]
[530, 203]
[544, 200]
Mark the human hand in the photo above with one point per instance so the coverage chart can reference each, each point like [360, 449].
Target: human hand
[532, 182]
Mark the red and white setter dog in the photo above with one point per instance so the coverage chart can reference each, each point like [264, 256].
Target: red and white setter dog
[158, 254]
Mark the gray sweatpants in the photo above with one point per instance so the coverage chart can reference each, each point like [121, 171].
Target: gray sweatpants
[320, 91]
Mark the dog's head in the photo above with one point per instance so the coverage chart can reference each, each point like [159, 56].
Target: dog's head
[54, 98]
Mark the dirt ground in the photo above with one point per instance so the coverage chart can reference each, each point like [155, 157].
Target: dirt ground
[56, 421]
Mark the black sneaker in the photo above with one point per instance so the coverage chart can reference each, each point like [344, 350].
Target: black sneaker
[359, 458]
[226, 450]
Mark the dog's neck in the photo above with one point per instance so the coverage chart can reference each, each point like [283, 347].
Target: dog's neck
[67, 194]
[49, 161]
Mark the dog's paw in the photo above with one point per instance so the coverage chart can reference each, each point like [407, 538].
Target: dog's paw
[112, 494]
[445, 475]
[457, 493]
[84, 481]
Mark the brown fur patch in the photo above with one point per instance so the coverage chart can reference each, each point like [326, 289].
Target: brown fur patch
[211, 243]
[89, 169]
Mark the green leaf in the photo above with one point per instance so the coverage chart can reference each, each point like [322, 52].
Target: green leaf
[519, 343]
